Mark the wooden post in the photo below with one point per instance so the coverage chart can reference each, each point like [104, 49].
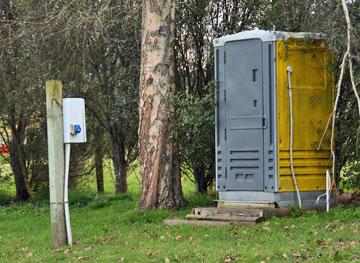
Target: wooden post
[55, 134]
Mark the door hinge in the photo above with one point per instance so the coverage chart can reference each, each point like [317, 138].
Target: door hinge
[224, 95]
[224, 57]
[225, 134]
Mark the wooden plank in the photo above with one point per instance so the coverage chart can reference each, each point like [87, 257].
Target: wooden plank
[55, 135]
[225, 218]
[205, 211]
[176, 222]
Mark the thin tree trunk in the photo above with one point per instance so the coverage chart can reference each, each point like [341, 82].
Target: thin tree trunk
[99, 167]
[200, 179]
[119, 162]
[161, 181]
[19, 168]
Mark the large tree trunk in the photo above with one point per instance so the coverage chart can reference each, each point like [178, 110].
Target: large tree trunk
[119, 162]
[161, 181]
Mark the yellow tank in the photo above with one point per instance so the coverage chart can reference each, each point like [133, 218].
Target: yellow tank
[313, 87]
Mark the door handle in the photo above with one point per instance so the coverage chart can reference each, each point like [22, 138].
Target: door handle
[264, 122]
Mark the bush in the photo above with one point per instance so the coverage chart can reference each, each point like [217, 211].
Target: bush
[195, 127]
[350, 176]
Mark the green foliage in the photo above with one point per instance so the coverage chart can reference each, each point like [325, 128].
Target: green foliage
[195, 130]
[296, 212]
[97, 55]
[350, 176]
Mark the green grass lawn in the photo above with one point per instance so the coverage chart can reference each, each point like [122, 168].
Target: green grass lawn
[108, 229]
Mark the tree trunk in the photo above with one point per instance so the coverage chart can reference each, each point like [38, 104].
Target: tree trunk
[200, 179]
[99, 167]
[161, 181]
[17, 162]
[119, 162]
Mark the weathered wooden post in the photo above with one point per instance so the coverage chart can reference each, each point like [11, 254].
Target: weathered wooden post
[55, 134]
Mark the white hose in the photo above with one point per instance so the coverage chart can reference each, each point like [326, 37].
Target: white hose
[289, 70]
[327, 193]
[328, 186]
[66, 194]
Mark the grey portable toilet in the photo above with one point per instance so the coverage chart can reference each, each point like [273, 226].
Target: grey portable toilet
[252, 116]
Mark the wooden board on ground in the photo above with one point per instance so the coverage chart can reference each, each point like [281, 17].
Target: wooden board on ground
[176, 222]
[226, 214]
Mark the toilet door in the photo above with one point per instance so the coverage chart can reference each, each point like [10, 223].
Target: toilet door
[245, 121]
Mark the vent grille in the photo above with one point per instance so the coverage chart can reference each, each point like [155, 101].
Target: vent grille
[244, 160]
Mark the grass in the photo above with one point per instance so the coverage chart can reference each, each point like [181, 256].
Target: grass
[108, 229]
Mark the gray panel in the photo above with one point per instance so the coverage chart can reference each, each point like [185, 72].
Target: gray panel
[244, 115]
[246, 122]
[282, 200]
[247, 196]
[220, 119]
[269, 67]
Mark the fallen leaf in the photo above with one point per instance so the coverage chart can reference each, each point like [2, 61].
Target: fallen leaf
[297, 254]
[228, 259]
[262, 261]
[191, 238]
[77, 243]
[206, 235]
[30, 254]
[178, 238]
[88, 248]
[162, 237]
[266, 228]
[285, 256]
[167, 260]
[342, 244]
[67, 251]
[122, 259]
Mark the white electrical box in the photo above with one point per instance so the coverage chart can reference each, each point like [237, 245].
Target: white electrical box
[74, 120]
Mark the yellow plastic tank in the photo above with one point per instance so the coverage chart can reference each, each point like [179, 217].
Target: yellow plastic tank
[313, 87]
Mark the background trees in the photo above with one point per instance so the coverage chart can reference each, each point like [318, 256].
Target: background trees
[94, 48]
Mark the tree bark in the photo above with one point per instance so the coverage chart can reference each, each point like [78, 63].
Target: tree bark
[200, 179]
[161, 181]
[18, 165]
[99, 167]
[120, 164]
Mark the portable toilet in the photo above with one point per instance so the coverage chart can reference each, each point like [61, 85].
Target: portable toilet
[253, 116]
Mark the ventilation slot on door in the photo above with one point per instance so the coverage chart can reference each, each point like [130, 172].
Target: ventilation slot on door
[219, 164]
[244, 162]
